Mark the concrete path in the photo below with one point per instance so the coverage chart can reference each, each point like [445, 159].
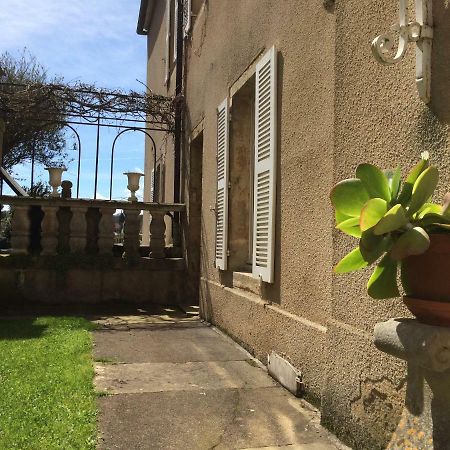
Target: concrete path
[176, 383]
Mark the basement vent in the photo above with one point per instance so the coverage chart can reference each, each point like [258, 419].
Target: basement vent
[285, 373]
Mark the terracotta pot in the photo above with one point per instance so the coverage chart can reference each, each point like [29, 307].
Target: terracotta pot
[429, 311]
[426, 280]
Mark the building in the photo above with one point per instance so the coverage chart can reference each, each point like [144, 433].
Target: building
[299, 76]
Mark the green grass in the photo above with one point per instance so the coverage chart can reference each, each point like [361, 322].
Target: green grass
[47, 399]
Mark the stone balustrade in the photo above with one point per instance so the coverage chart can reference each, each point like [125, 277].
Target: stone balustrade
[52, 226]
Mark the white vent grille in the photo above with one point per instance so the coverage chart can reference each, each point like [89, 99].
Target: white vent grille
[222, 186]
[265, 167]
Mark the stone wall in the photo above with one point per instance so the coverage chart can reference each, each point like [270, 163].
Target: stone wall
[65, 280]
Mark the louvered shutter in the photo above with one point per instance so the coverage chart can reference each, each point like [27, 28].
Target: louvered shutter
[265, 167]
[186, 17]
[222, 185]
[175, 32]
[167, 49]
[152, 186]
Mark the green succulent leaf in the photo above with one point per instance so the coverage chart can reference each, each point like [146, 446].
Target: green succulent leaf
[372, 246]
[350, 227]
[372, 212]
[394, 179]
[414, 242]
[428, 208]
[423, 189]
[393, 220]
[351, 262]
[383, 282]
[411, 179]
[349, 196]
[431, 219]
[375, 181]
[340, 217]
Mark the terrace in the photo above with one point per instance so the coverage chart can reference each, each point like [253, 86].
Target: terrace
[66, 249]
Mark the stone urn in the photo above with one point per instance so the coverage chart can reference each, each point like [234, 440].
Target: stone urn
[426, 280]
[133, 184]
[55, 177]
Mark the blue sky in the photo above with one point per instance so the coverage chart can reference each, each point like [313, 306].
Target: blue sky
[93, 41]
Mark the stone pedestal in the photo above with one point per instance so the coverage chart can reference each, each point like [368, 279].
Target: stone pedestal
[20, 233]
[157, 235]
[131, 240]
[425, 421]
[78, 229]
[49, 234]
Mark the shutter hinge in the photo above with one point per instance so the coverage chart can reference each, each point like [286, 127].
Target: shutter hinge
[228, 252]
[229, 185]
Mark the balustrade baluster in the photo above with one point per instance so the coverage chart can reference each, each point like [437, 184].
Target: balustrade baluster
[157, 235]
[78, 229]
[106, 231]
[49, 235]
[20, 230]
[131, 242]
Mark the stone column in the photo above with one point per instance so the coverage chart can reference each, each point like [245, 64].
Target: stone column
[425, 421]
[106, 231]
[49, 234]
[20, 230]
[157, 235]
[78, 229]
[131, 241]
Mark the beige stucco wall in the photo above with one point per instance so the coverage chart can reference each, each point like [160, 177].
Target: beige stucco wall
[380, 119]
[337, 108]
[304, 38]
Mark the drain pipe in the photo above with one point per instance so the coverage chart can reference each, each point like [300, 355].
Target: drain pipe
[178, 122]
[178, 104]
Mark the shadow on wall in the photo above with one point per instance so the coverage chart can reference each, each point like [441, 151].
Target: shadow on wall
[426, 417]
[205, 264]
[440, 67]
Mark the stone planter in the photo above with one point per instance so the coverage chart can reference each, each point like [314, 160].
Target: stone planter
[133, 184]
[55, 177]
[425, 420]
[426, 280]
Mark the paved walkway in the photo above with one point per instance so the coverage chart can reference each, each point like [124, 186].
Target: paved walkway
[176, 383]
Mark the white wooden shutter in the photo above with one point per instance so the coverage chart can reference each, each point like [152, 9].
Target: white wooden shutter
[265, 167]
[167, 49]
[175, 32]
[187, 6]
[222, 185]
[152, 186]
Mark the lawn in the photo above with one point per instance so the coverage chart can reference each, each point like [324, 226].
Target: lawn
[47, 399]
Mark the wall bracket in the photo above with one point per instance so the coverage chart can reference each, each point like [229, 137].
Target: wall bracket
[421, 33]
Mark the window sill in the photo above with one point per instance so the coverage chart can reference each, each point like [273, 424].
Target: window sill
[246, 282]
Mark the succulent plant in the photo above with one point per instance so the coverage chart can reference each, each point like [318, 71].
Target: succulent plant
[391, 219]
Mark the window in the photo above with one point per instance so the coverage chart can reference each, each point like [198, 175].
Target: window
[246, 174]
[241, 168]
